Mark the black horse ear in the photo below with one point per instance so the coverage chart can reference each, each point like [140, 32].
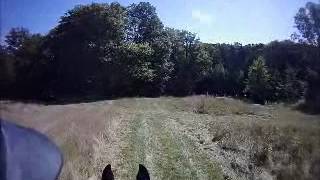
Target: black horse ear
[143, 173]
[107, 173]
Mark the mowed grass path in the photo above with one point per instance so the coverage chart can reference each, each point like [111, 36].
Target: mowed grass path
[155, 140]
[178, 138]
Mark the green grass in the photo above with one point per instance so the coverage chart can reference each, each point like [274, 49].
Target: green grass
[218, 106]
[276, 138]
[153, 141]
[134, 151]
[197, 137]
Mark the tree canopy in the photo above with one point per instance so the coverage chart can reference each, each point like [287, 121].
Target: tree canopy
[308, 24]
[106, 50]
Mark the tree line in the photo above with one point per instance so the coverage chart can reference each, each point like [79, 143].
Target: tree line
[108, 50]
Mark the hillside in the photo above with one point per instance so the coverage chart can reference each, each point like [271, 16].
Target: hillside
[195, 137]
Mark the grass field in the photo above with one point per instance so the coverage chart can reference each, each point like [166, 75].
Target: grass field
[198, 137]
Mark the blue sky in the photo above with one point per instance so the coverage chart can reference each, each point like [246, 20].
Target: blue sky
[224, 21]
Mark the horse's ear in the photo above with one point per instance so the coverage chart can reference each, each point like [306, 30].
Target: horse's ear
[107, 173]
[143, 173]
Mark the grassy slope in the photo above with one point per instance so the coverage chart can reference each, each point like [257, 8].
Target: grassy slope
[178, 138]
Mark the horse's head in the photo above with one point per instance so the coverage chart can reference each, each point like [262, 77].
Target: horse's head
[143, 173]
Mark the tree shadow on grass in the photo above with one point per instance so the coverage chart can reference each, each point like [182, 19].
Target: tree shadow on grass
[65, 100]
[307, 109]
[57, 101]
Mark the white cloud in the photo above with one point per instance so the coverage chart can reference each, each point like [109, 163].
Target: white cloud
[201, 17]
